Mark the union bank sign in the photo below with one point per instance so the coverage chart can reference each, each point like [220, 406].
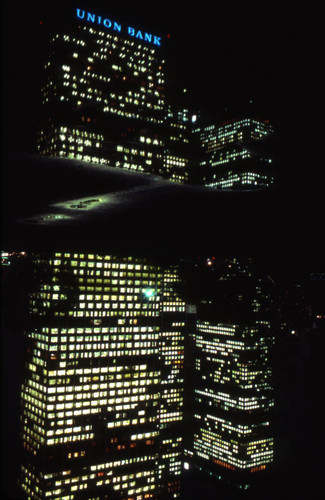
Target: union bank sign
[115, 26]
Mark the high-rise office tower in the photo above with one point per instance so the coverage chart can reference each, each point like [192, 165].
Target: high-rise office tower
[103, 96]
[232, 434]
[230, 159]
[102, 396]
[176, 153]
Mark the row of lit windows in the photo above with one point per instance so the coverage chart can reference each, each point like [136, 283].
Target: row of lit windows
[93, 340]
[233, 127]
[210, 447]
[235, 180]
[226, 401]
[69, 483]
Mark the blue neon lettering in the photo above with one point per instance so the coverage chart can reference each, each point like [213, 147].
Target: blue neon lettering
[107, 23]
[148, 37]
[91, 17]
[79, 13]
[156, 40]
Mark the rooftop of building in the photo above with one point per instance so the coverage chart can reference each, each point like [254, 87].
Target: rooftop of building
[54, 202]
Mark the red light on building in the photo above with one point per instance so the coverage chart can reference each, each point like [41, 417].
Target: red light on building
[261, 467]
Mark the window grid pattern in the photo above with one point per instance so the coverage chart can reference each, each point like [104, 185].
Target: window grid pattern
[229, 158]
[92, 400]
[234, 381]
[103, 101]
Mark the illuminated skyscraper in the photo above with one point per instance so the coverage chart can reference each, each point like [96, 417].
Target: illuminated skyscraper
[176, 152]
[232, 434]
[229, 156]
[103, 97]
[102, 394]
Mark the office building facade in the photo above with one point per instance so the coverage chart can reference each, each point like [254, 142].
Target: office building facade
[176, 156]
[232, 436]
[230, 159]
[103, 96]
[102, 396]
